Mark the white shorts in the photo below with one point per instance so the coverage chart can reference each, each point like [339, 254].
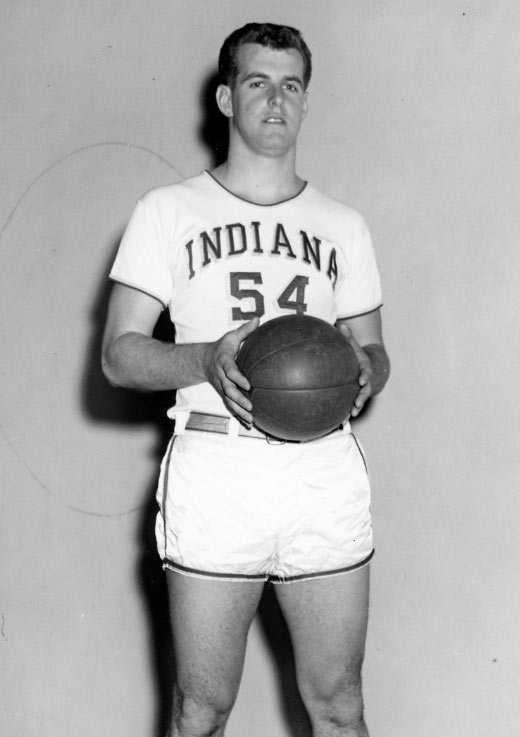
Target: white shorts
[234, 508]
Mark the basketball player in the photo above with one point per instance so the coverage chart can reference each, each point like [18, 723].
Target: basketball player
[222, 251]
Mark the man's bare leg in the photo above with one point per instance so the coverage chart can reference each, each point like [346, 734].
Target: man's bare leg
[210, 623]
[327, 619]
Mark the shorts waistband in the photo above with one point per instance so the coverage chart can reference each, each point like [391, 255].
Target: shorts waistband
[231, 426]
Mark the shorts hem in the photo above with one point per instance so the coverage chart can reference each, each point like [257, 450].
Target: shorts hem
[212, 575]
[266, 577]
[323, 574]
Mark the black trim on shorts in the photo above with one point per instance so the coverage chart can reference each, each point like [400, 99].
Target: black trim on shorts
[165, 489]
[170, 564]
[322, 574]
[361, 453]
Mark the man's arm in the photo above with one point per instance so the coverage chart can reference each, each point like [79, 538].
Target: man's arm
[365, 333]
[132, 358]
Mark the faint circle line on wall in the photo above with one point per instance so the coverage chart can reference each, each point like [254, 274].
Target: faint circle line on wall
[63, 228]
[66, 504]
[69, 155]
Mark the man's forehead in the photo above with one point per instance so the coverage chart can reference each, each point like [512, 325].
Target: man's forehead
[253, 57]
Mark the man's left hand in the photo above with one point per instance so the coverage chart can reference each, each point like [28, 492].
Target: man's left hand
[365, 376]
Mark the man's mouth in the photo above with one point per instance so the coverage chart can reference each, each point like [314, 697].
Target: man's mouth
[275, 119]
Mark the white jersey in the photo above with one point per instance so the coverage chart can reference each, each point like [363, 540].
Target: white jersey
[216, 260]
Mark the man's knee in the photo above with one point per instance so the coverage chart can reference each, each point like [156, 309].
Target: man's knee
[196, 716]
[335, 705]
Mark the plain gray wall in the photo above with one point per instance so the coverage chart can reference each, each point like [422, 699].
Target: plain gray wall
[414, 113]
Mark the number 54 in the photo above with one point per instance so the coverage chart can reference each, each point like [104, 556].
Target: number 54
[291, 298]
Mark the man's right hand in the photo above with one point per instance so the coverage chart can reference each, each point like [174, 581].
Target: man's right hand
[223, 374]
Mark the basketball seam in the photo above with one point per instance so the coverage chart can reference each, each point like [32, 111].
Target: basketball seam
[307, 388]
[289, 345]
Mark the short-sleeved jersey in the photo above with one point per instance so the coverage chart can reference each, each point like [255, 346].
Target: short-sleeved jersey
[216, 260]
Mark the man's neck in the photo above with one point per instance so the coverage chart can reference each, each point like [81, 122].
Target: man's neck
[261, 180]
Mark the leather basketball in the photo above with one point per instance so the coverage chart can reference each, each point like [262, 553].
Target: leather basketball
[303, 374]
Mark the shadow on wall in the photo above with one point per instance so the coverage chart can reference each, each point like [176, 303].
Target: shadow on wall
[213, 131]
[105, 403]
[124, 407]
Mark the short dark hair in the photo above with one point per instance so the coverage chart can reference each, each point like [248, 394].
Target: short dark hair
[266, 34]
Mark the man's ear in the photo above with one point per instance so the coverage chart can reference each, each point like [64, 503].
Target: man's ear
[305, 103]
[224, 101]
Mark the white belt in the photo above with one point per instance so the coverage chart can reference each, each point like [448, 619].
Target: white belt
[224, 425]
[231, 426]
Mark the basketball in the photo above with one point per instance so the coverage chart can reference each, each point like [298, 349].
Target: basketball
[303, 374]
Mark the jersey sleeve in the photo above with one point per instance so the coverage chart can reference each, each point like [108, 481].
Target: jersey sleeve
[358, 289]
[142, 258]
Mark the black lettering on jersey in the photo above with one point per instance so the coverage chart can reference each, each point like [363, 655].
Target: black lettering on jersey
[208, 244]
[233, 250]
[190, 259]
[308, 249]
[256, 232]
[234, 239]
[332, 271]
[282, 241]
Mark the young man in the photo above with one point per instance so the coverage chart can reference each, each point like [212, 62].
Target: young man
[223, 250]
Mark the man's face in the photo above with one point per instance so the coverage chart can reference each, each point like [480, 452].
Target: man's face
[267, 101]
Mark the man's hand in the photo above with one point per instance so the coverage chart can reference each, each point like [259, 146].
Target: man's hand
[223, 373]
[365, 376]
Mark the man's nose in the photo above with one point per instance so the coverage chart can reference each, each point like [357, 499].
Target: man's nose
[276, 97]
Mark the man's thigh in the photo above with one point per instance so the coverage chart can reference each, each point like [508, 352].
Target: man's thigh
[210, 621]
[327, 620]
